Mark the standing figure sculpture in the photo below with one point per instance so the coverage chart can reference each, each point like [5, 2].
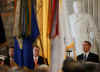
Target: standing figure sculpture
[82, 26]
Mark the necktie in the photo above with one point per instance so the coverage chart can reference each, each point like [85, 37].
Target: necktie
[36, 62]
[85, 58]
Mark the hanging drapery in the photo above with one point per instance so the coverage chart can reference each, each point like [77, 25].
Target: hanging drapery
[2, 32]
[17, 18]
[26, 33]
[42, 17]
[39, 11]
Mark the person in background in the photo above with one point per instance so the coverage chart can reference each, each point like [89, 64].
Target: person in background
[71, 66]
[42, 68]
[10, 59]
[87, 55]
[37, 59]
[3, 67]
[2, 60]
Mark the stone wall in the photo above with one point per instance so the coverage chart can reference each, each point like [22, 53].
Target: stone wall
[8, 22]
[7, 13]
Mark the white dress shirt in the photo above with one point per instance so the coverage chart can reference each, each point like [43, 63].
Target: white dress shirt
[35, 58]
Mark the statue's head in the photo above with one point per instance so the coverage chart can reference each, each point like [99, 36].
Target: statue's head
[77, 7]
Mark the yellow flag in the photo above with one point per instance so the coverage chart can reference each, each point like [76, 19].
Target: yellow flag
[39, 12]
[42, 17]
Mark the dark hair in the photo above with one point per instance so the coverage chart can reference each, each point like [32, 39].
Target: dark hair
[66, 65]
[1, 60]
[89, 43]
[70, 66]
[12, 47]
[36, 46]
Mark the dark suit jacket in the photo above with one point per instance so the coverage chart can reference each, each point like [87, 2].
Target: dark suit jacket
[7, 61]
[91, 57]
[40, 61]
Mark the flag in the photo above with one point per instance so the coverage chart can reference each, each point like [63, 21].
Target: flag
[16, 30]
[45, 24]
[42, 17]
[28, 53]
[39, 13]
[54, 19]
[26, 18]
[52, 9]
[29, 32]
[18, 53]
[28, 41]
[57, 42]
[34, 24]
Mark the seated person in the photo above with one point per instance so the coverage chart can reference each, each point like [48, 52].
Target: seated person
[42, 68]
[37, 59]
[2, 58]
[71, 66]
[10, 59]
[87, 55]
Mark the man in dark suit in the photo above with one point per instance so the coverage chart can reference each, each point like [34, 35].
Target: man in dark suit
[87, 55]
[37, 59]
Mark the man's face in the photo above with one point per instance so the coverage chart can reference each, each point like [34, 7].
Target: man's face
[36, 51]
[86, 47]
[11, 52]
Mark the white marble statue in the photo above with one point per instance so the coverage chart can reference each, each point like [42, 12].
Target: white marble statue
[82, 26]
